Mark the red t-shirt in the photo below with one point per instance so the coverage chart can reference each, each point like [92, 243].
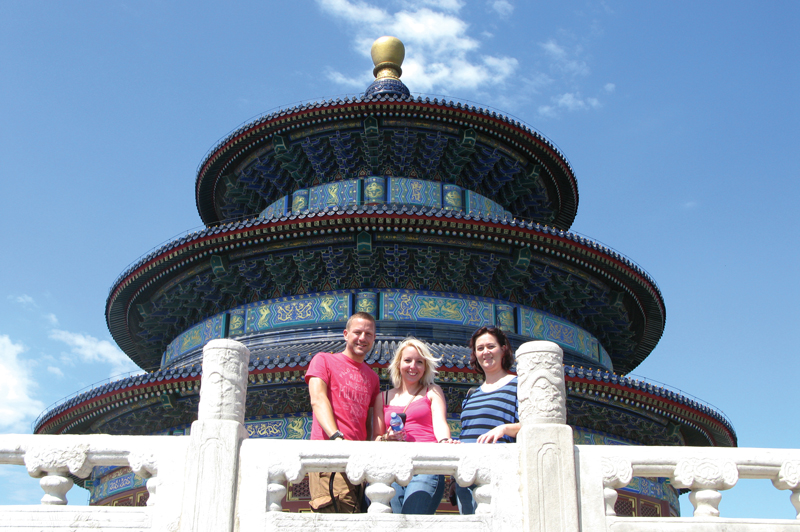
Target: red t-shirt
[352, 389]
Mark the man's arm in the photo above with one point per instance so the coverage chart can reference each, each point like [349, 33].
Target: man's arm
[321, 405]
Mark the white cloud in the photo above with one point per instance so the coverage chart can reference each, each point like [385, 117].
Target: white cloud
[447, 5]
[610, 87]
[440, 54]
[25, 300]
[17, 406]
[690, 205]
[563, 60]
[51, 318]
[55, 371]
[547, 110]
[503, 7]
[570, 102]
[91, 349]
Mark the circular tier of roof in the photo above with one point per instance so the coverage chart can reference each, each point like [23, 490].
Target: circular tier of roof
[178, 285]
[443, 141]
[597, 400]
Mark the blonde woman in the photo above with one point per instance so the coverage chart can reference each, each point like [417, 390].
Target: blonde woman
[412, 371]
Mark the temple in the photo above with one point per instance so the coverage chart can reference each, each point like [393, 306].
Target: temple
[437, 217]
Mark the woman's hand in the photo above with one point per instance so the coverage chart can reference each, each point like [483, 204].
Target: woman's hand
[394, 436]
[493, 435]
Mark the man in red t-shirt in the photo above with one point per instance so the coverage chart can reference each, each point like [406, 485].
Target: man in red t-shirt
[343, 389]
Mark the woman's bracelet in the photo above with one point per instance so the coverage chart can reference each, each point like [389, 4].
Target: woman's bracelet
[444, 440]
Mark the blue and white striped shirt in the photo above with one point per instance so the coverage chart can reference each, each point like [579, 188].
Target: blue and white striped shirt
[482, 411]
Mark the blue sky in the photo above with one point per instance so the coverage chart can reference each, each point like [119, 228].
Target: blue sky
[681, 120]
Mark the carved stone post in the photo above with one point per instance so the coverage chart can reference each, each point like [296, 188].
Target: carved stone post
[211, 473]
[550, 502]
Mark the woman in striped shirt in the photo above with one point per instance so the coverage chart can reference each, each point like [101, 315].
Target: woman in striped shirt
[489, 413]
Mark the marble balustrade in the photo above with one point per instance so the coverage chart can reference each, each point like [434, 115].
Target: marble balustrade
[217, 479]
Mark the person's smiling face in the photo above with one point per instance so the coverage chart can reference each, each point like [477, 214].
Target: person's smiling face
[489, 353]
[412, 365]
[360, 338]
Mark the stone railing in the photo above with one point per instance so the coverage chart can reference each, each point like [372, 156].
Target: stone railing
[218, 480]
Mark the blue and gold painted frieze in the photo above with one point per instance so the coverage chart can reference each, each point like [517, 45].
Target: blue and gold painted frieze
[605, 359]
[337, 194]
[367, 302]
[405, 191]
[476, 204]
[544, 326]
[297, 310]
[403, 305]
[285, 428]
[300, 201]
[452, 197]
[504, 317]
[196, 337]
[105, 485]
[276, 209]
[374, 190]
[390, 305]
[236, 321]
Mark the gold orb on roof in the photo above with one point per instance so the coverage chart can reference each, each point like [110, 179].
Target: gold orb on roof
[387, 56]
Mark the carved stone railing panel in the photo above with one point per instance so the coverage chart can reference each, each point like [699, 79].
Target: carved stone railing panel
[378, 464]
[706, 471]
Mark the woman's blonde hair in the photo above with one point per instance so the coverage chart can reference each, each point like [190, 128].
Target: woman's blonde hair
[431, 362]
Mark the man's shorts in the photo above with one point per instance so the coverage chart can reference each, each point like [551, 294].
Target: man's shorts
[348, 496]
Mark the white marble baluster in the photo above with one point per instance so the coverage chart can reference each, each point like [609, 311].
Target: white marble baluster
[55, 484]
[617, 473]
[705, 477]
[144, 464]
[276, 491]
[788, 478]
[380, 495]
[380, 475]
[483, 496]
[53, 463]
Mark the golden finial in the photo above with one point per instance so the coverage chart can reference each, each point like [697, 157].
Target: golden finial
[387, 56]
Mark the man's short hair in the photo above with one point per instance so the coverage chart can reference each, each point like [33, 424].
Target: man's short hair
[359, 316]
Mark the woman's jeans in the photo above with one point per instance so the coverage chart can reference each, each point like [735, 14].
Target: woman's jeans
[466, 502]
[422, 495]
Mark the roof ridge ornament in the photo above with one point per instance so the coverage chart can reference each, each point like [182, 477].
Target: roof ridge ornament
[388, 54]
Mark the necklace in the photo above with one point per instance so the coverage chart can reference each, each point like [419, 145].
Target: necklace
[413, 397]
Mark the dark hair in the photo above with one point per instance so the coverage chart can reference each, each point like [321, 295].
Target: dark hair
[502, 340]
[359, 316]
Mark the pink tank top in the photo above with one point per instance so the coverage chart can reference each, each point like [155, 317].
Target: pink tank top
[419, 420]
